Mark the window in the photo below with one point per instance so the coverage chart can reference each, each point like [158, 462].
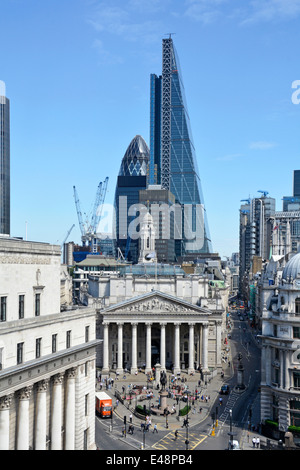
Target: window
[68, 339]
[296, 378]
[54, 343]
[274, 330]
[37, 311]
[20, 347]
[21, 306]
[86, 403]
[3, 305]
[296, 332]
[297, 305]
[87, 334]
[38, 344]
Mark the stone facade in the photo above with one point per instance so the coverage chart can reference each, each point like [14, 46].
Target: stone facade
[174, 320]
[279, 290]
[47, 376]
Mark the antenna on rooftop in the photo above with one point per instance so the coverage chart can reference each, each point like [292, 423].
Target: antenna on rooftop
[169, 34]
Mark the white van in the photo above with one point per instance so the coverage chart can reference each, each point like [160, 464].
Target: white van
[233, 445]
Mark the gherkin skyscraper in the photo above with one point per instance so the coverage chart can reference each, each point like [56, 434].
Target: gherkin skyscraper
[173, 162]
[131, 179]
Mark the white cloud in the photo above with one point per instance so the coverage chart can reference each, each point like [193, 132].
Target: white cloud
[205, 11]
[125, 21]
[106, 56]
[245, 12]
[262, 145]
[230, 157]
[272, 10]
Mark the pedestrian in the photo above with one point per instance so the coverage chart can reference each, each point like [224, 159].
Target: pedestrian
[253, 442]
[130, 418]
[155, 428]
[176, 434]
[257, 442]
[200, 410]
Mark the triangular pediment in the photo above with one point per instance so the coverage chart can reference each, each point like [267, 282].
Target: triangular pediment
[156, 302]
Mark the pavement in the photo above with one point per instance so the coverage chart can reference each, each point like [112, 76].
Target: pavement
[209, 391]
[201, 408]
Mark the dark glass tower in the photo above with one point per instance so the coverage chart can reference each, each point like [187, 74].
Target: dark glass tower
[4, 162]
[132, 178]
[172, 153]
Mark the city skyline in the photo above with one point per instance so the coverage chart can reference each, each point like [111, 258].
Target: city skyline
[78, 84]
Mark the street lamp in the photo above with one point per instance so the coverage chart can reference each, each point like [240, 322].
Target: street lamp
[187, 425]
[231, 434]
[144, 437]
[166, 412]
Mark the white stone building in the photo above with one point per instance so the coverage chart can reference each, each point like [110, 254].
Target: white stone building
[47, 357]
[280, 341]
[157, 313]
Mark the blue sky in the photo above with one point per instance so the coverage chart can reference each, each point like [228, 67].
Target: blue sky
[77, 76]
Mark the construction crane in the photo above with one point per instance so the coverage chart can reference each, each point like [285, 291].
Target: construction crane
[88, 229]
[67, 236]
[246, 200]
[98, 206]
[79, 213]
[263, 192]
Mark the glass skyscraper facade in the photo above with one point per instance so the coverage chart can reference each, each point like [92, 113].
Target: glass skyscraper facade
[131, 179]
[4, 162]
[172, 154]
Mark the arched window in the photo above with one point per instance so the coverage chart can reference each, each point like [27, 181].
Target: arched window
[297, 305]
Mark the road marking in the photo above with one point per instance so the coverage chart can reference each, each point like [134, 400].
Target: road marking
[169, 441]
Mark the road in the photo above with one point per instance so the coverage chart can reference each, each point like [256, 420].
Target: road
[233, 414]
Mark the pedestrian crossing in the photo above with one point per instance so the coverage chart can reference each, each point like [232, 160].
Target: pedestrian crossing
[169, 441]
[224, 410]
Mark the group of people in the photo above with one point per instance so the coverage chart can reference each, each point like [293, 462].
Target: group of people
[255, 442]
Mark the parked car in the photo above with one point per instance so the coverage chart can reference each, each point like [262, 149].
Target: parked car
[224, 390]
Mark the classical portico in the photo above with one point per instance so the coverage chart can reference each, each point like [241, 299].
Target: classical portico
[160, 328]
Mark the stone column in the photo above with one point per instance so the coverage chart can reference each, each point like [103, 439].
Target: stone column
[41, 415]
[218, 344]
[133, 348]
[23, 419]
[5, 403]
[56, 423]
[205, 347]
[191, 368]
[120, 349]
[148, 347]
[263, 364]
[177, 349]
[281, 370]
[288, 369]
[163, 346]
[106, 367]
[268, 365]
[70, 410]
